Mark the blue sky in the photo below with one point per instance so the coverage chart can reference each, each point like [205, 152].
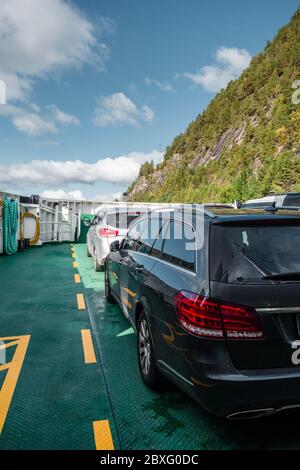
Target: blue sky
[104, 85]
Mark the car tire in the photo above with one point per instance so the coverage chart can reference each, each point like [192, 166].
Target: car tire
[108, 295]
[88, 254]
[97, 266]
[146, 355]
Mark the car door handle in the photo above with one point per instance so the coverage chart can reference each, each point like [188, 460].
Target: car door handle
[139, 268]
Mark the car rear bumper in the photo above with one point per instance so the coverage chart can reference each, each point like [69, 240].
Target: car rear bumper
[228, 395]
[102, 250]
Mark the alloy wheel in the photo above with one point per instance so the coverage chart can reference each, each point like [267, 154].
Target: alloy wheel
[144, 347]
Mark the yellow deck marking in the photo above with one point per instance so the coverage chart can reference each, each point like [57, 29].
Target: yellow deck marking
[13, 369]
[102, 435]
[88, 347]
[75, 264]
[73, 255]
[128, 304]
[133, 294]
[81, 302]
[9, 345]
[77, 279]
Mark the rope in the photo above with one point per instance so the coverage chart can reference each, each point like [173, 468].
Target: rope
[10, 225]
[37, 234]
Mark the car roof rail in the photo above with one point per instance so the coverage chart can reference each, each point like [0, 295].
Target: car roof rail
[274, 208]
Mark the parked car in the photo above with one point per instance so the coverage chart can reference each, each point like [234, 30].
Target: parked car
[219, 319]
[279, 200]
[109, 224]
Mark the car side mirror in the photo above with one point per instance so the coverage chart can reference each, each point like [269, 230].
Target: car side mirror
[87, 222]
[115, 246]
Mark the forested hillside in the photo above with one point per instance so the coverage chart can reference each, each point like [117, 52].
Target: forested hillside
[247, 141]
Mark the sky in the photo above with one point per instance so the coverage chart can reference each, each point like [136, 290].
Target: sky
[94, 88]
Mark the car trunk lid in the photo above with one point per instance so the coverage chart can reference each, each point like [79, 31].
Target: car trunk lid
[256, 267]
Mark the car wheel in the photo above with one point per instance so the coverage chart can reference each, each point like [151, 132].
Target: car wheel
[88, 254]
[146, 356]
[97, 266]
[108, 295]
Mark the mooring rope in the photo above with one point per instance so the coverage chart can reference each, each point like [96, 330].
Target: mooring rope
[10, 225]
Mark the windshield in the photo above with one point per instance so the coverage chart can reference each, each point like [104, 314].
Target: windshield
[241, 254]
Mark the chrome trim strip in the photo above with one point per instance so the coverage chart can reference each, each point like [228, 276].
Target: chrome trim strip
[173, 372]
[287, 407]
[251, 414]
[279, 310]
[179, 268]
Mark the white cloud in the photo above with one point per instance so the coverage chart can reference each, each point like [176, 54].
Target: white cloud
[28, 121]
[77, 195]
[161, 85]
[61, 194]
[230, 64]
[117, 109]
[107, 197]
[31, 122]
[38, 38]
[52, 173]
[63, 118]
[238, 59]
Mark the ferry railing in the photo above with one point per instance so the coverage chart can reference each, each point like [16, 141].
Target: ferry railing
[56, 230]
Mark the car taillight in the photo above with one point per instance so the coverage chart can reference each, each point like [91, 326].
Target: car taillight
[108, 232]
[199, 315]
[213, 319]
[240, 322]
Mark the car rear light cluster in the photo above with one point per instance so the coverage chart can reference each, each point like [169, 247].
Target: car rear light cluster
[108, 232]
[213, 319]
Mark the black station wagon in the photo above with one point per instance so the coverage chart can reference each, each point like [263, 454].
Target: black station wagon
[214, 296]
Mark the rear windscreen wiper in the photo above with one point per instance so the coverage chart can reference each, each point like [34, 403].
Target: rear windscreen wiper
[241, 252]
[292, 276]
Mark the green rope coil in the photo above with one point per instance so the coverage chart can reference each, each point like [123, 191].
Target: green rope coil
[10, 225]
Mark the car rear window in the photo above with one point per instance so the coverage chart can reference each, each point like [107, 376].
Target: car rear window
[292, 201]
[121, 220]
[247, 254]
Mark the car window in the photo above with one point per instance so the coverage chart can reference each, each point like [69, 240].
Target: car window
[156, 251]
[249, 205]
[247, 254]
[96, 220]
[179, 246]
[133, 235]
[122, 219]
[292, 200]
[149, 235]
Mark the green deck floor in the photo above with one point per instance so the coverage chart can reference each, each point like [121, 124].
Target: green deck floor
[58, 396]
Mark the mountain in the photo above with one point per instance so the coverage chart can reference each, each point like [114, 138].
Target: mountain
[247, 141]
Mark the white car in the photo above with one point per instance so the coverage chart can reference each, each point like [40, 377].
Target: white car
[109, 224]
[280, 200]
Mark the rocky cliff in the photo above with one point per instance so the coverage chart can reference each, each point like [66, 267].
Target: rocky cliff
[247, 141]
